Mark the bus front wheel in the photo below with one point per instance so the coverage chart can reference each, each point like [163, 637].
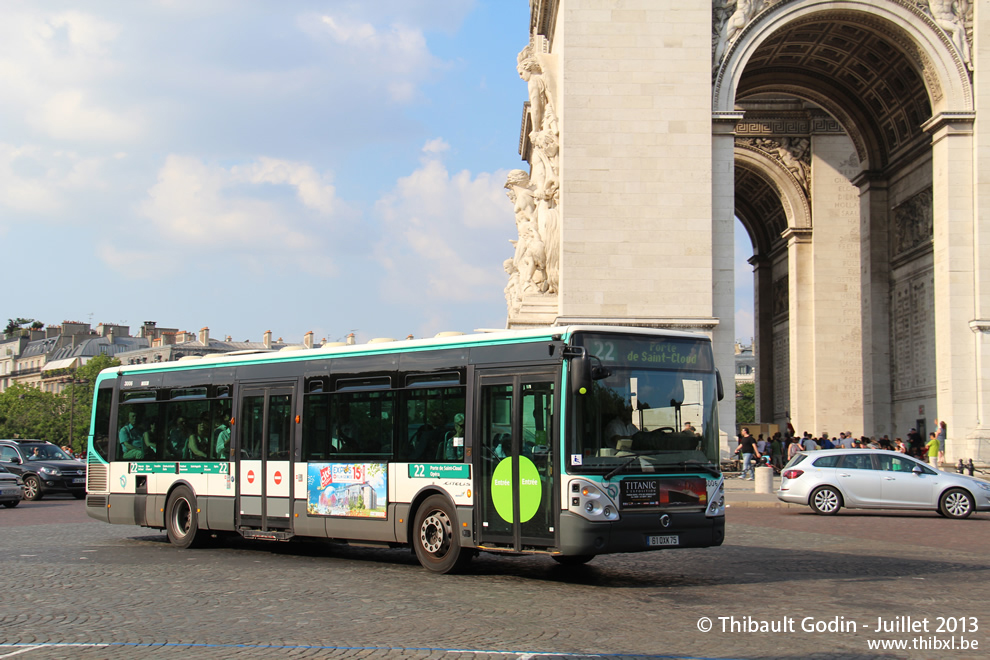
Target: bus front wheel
[182, 519]
[435, 538]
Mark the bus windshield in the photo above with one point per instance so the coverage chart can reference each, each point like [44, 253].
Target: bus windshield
[655, 412]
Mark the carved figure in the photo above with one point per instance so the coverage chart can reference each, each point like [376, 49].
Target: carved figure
[530, 255]
[951, 16]
[792, 153]
[541, 108]
[546, 193]
[730, 29]
[513, 292]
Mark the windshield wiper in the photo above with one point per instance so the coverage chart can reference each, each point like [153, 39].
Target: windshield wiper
[632, 459]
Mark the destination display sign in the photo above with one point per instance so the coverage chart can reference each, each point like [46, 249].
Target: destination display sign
[662, 493]
[439, 471]
[633, 351]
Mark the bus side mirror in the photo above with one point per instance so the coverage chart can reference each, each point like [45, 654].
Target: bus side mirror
[718, 385]
[581, 374]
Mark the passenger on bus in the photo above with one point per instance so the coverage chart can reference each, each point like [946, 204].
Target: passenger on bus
[428, 437]
[222, 439]
[345, 431]
[197, 441]
[129, 437]
[177, 438]
[453, 444]
[149, 440]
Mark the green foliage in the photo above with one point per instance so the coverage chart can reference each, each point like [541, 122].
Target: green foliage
[27, 412]
[13, 325]
[745, 403]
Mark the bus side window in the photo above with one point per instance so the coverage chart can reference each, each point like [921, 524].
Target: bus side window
[316, 428]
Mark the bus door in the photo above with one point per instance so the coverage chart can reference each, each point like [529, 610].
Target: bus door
[264, 467]
[514, 459]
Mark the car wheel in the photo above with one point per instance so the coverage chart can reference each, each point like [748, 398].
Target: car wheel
[435, 539]
[825, 501]
[11, 505]
[32, 489]
[955, 503]
[182, 519]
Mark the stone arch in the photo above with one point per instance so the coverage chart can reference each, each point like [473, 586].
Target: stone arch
[946, 76]
[797, 210]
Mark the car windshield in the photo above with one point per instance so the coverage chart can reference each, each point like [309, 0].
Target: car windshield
[44, 453]
[656, 410]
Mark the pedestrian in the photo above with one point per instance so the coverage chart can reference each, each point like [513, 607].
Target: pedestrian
[900, 446]
[932, 447]
[776, 452]
[747, 451]
[941, 441]
[793, 449]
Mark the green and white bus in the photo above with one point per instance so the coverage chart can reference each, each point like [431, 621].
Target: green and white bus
[564, 441]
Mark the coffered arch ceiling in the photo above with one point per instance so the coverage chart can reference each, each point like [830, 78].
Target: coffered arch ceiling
[860, 70]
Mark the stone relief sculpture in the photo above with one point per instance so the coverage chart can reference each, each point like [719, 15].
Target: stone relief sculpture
[547, 191]
[729, 17]
[535, 266]
[794, 153]
[953, 16]
[527, 268]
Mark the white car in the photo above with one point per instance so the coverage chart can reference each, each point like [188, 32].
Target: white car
[830, 479]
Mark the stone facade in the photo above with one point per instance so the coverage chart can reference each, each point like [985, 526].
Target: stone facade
[844, 134]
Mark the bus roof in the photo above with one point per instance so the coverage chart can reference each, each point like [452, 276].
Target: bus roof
[379, 346]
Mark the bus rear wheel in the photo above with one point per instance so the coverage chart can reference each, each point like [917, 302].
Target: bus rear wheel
[435, 539]
[182, 519]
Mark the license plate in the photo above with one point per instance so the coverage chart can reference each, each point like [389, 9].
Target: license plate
[662, 540]
[9, 491]
[79, 480]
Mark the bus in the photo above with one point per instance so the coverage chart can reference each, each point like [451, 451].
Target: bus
[569, 442]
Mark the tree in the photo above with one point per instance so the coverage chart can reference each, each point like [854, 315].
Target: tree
[14, 325]
[745, 403]
[28, 412]
[78, 398]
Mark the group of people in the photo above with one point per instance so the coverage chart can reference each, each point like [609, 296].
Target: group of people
[780, 448]
[183, 442]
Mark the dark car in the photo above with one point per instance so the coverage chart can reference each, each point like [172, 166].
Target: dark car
[11, 488]
[44, 468]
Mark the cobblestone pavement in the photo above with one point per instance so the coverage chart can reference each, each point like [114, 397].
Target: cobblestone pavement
[75, 588]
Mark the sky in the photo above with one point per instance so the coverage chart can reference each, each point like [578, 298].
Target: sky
[332, 166]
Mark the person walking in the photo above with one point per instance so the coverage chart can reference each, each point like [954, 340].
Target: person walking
[776, 452]
[940, 436]
[747, 450]
[932, 447]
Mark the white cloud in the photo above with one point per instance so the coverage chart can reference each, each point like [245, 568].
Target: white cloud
[445, 235]
[37, 180]
[436, 146]
[196, 208]
[310, 186]
[52, 68]
[71, 115]
[396, 58]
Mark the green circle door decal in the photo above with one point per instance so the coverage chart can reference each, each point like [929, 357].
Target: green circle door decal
[530, 489]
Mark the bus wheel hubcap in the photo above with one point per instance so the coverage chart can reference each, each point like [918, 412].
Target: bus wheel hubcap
[435, 533]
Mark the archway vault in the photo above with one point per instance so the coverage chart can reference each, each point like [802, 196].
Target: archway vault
[877, 51]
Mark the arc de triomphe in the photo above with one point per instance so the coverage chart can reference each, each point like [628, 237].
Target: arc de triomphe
[844, 134]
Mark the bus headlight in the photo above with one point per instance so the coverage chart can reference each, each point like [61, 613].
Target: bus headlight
[588, 501]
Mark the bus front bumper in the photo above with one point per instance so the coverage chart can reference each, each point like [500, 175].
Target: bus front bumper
[639, 532]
